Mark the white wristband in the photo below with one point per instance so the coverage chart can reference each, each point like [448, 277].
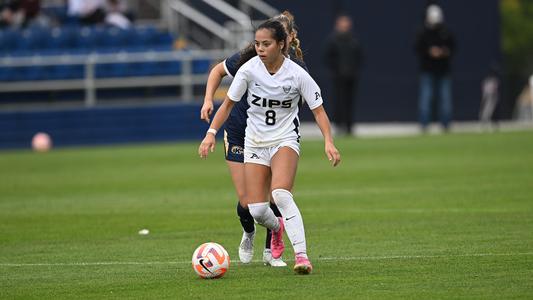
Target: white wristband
[212, 130]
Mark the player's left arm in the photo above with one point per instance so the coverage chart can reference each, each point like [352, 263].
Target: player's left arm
[322, 120]
[311, 93]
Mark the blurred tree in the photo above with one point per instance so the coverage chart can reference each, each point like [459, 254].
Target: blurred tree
[517, 33]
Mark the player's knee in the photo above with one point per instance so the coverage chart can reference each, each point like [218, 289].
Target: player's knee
[242, 198]
[282, 197]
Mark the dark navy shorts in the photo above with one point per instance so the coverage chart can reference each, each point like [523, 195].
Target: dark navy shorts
[232, 151]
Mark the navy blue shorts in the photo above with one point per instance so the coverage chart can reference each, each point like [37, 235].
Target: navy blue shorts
[233, 151]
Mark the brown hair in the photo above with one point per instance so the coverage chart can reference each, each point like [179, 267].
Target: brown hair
[278, 33]
[287, 19]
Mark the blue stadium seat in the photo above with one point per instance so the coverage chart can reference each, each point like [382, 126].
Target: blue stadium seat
[86, 38]
[169, 68]
[32, 39]
[6, 73]
[144, 36]
[115, 38]
[8, 40]
[61, 38]
[100, 37]
[73, 40]
[165, 38]
[201, 66]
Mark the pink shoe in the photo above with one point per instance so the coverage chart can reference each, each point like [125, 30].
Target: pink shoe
[276, 243]
[302, 265]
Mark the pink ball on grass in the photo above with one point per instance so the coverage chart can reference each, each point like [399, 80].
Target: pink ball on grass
[41, 142]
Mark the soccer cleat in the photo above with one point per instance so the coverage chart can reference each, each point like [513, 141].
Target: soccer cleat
[267, 256]
[246, 249]
[273, 262]
[276, 243]
[302, 265]
[277, 263]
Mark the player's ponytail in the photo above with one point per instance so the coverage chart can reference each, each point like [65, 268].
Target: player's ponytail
[295, 44]
[287, 18]
[246, 54]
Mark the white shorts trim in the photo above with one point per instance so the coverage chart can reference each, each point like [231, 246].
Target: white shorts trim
[263, 155]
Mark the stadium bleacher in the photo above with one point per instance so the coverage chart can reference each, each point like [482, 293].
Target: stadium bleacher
[101, 84]
[39, 43]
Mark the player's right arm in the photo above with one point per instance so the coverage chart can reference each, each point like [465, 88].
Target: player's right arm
[213, 82]
[236, 90]
[228, 67]
[208, 143]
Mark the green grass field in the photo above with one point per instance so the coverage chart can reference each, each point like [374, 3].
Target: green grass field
[426, 217]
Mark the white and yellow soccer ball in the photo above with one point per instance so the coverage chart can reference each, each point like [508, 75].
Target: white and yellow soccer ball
[210, 260]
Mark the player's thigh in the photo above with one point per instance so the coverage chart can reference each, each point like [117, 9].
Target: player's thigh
[236, 169]
[257, 178]
[284, 165]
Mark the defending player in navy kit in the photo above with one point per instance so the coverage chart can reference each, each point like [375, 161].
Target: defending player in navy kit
[274, 86]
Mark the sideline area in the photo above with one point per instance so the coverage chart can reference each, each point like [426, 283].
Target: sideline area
[311, 130]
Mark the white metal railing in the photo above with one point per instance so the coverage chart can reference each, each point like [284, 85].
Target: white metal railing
[173, 9]
[261, 6]
[186, 79]
[244, 33]
[234, 33]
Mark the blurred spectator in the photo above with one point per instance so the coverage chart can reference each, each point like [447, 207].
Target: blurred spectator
[435, 47]
[89, 12]
[10, 16]
[524, 105]
[31, 9]
[490, 90]
[117, 14]
[343, 58]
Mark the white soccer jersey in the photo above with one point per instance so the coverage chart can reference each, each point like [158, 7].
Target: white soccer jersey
[273, 99]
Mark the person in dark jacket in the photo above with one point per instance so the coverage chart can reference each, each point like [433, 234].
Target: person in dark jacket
[435, 46]
[343, 58]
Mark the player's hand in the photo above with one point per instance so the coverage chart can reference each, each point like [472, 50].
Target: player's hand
[206, 111]
[208, 144]
[333, 154]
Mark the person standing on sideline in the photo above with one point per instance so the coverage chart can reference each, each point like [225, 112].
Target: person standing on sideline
[435, 47]
[490, 94]
[343, 59]
[275, 86]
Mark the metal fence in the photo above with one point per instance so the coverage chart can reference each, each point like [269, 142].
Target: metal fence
[186, 78]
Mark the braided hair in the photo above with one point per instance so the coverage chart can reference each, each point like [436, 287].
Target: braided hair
[287, 19]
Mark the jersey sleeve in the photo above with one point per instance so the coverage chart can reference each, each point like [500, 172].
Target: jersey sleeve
[231, 64]
[300, 62]
[238, 86]
[310, 90]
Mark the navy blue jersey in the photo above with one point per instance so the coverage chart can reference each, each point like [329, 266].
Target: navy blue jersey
[236, 123]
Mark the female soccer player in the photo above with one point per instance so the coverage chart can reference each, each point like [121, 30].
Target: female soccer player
[274, 86]
[234, 136]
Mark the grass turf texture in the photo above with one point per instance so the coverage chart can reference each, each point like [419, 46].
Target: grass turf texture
[421, 217]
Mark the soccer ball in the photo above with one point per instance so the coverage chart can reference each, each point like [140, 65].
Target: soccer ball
[41, 142]
[210, 260]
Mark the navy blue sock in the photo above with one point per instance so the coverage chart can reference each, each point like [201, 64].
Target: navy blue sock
[247, 221]
[269, 232]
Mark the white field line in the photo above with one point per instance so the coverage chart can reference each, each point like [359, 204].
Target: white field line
[343, 258]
